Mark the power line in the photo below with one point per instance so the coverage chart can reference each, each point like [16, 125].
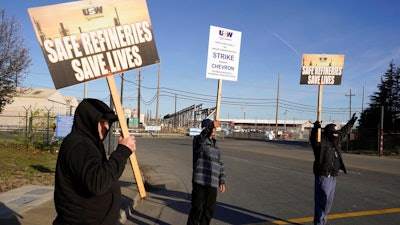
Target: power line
[234, 101]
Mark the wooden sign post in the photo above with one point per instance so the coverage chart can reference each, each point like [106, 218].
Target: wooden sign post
[321, 69]
[319, 111]
[125, 133]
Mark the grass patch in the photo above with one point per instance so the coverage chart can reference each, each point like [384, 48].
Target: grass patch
[21, 166]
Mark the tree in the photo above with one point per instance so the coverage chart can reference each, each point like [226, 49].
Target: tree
[14, 59]
[386, 96]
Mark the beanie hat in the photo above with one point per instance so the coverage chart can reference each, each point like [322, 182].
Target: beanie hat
[331, 128]
[206, 123]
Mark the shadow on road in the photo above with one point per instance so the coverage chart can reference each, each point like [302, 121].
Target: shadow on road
[178, 203]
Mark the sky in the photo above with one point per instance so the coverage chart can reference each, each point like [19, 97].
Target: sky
[275, 35]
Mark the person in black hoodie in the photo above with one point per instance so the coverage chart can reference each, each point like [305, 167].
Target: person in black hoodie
[328, 161]
[86, 181]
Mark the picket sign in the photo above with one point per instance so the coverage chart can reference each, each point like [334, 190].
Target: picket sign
[125, 133]
[319, 112]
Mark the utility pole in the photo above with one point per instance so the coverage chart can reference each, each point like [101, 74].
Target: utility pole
[348, 136]
[158, 93]
[138, 101]
[175, 113]
[362, 104]
[85, 88]
[110, 138]
[276, 111]
[122, 86]
[286, 111]
[350, 95]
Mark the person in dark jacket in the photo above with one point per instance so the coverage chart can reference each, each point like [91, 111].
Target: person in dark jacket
[328, 161]
[86, 180]
[208, 174]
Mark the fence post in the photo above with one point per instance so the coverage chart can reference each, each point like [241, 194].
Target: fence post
[48, 124]
[26, 125]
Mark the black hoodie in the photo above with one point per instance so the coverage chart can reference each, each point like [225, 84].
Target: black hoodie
[86, 182]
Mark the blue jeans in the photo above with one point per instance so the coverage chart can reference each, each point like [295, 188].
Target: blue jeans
[324, 191]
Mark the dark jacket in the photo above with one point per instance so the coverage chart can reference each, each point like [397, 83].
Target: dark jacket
[328, 158]
[86, 182]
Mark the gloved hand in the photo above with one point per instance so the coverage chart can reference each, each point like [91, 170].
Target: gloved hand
[353, 118]
[317, 124]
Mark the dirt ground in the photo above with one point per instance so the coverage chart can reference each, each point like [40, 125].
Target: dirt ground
[20, 179]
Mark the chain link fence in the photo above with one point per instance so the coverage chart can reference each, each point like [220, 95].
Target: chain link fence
[35, 128]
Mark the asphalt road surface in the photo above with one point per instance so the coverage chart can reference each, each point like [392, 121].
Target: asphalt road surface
[271, 183]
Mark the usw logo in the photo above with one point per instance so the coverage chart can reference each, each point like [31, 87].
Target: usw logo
[92, 11]
[224, 33]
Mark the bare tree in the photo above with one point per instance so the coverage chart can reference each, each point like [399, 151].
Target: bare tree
[14, 59]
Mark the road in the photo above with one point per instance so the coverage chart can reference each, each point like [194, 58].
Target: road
[271, 183]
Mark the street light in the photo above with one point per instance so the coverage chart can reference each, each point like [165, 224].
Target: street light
[285, 119]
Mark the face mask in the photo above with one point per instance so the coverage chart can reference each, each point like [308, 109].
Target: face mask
[105, 126]
[105, 132]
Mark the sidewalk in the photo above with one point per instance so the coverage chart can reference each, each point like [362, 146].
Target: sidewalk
[33, 205]
[167, 201]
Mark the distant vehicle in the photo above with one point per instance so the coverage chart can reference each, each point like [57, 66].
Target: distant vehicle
[193, 131]
[270, 134]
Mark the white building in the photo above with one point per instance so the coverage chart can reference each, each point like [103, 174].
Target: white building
[34, 100]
